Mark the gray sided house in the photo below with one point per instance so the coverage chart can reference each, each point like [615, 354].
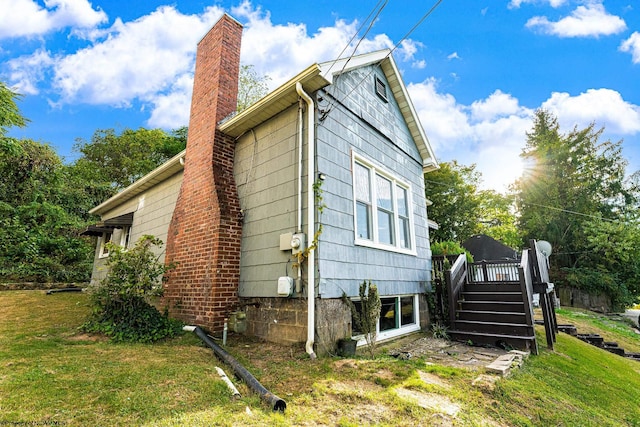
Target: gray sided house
[328, 173]
[145, 207]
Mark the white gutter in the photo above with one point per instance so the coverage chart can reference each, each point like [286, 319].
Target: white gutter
[311, 276]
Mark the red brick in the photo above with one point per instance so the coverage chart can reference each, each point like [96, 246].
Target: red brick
[203, 287]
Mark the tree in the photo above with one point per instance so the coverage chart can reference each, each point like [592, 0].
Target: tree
[38, 223]
[498, 219]
[10, 116]
[572, 180]
[121, 159]
[453, 190]
[251, 87]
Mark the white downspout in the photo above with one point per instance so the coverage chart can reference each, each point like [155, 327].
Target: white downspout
[311, 276]
[300, 141]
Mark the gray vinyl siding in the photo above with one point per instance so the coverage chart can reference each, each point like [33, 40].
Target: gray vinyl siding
[152, 209]
[266, 168]
[360, 121]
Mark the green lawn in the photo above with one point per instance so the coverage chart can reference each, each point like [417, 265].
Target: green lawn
[52, 374]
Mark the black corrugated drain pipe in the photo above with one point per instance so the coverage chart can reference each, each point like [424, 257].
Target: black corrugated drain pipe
[276, 403]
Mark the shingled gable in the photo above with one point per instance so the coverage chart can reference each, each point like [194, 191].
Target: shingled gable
[318, 76]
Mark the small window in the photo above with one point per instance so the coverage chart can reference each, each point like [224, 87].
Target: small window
[106, 238]
[398, 315]
[381, 89]
[118, 236]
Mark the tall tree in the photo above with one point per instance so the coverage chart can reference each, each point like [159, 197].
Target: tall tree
[453, 190]
[498, 219]
[121, 159]
[571, 180]
[251, 87]
[39, 221]
[10, 116]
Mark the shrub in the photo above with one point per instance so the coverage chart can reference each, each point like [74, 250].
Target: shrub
[121, 301]
[366, 316]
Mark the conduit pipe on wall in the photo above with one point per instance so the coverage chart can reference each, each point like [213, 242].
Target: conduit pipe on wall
[276, 403]
[311, 276]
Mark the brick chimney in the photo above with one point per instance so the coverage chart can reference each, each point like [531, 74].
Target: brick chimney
[205, 230]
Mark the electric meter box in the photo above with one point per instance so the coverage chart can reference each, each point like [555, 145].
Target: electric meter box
[285, 286]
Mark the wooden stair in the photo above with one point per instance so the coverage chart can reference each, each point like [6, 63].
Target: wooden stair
[494, 313]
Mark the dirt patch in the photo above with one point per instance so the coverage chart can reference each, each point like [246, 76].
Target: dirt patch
[432, 379]
[87, 337]
[447, 353]
[432, 401]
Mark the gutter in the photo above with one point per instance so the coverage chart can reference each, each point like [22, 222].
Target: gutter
[311, 262]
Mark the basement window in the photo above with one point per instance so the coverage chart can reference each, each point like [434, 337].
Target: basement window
[398, 316]
[381, 89]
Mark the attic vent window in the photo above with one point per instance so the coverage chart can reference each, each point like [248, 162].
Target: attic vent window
[381, 89]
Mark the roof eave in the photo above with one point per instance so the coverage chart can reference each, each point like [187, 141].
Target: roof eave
[159, 174]
[274, 102]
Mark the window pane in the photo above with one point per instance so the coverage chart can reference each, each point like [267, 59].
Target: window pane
[385, 227]
[363, 220]
[402, 201]
[363, 191]
[383, 193]
[388, 314]
[407, 311]
[354, 327]
[403, 233]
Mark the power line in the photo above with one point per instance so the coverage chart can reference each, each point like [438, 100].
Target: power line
[358, 32]
[420, 21]
[571, 212]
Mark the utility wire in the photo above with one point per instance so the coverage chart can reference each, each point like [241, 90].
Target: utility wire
[420, 21]
[355, 49]
[358, 32]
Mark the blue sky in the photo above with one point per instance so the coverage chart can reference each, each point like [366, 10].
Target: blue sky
[476, 70]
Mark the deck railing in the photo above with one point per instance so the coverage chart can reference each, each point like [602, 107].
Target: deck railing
[502, 271]
[455, 279]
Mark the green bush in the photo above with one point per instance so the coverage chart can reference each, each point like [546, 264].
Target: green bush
[121, 301]
[448, 248]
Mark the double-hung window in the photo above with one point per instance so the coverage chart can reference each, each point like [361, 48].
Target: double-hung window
[381, 208]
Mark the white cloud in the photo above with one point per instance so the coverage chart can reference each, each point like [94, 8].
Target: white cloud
[514, 4]
[171, 110]
[138, 59]
[453, 55]
[444, 120]
[420, 65]
[35, 20]
[591, 20]
[605, 107]
[490, 132]
[497, 105]
[632, 46]
[27, 71]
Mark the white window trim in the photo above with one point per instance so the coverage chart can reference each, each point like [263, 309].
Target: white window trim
[125, 231]
[374, 243]
[103, 242]
[393, 333]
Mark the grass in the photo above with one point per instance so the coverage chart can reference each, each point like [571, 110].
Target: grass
[52, 374]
